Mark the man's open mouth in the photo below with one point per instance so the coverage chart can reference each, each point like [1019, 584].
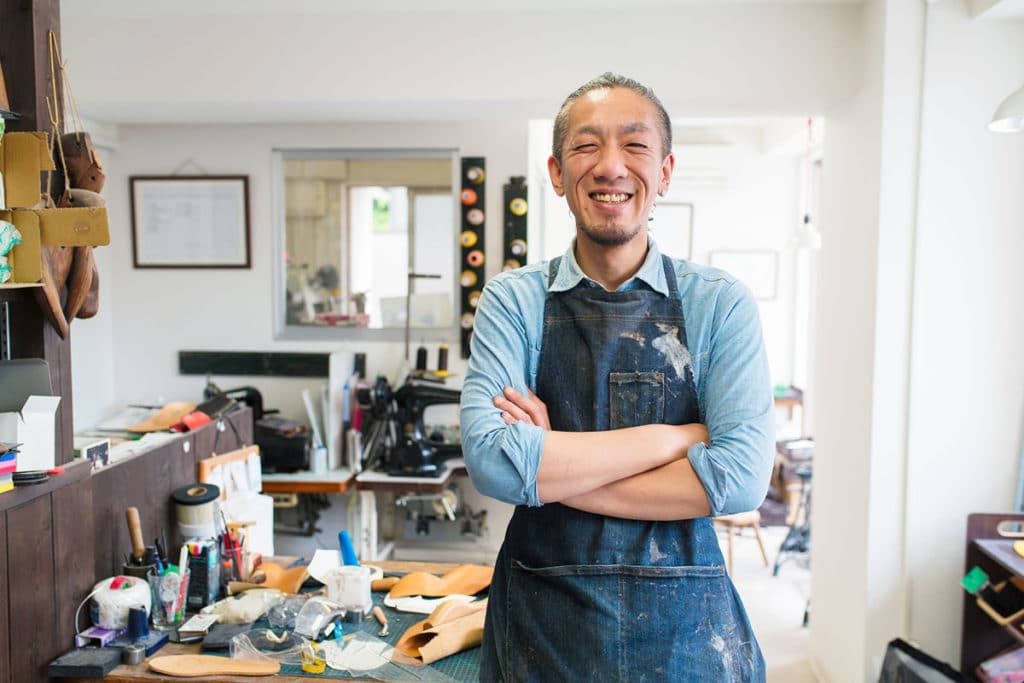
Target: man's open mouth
[610, 198]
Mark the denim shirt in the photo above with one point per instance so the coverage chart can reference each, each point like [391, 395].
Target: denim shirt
[723, 332]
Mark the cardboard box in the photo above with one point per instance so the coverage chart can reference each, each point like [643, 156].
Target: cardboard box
[34, 428]
[84, 227]
[23, 156]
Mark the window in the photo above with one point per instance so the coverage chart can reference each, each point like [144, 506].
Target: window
[367, 242]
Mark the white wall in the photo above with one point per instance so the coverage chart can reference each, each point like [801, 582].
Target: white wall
[920, 381]
[967, 369]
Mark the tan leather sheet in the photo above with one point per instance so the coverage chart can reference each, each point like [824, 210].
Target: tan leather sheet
[165, 418]
[466, 579]
[452, 627]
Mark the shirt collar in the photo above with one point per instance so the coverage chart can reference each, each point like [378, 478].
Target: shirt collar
[650, 273]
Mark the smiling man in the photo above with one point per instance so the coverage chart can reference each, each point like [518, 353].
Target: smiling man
[619, 398]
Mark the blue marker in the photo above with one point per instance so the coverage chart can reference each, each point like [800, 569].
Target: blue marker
[348, 553]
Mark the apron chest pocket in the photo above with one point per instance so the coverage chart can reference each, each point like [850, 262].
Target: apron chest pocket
[637, 398]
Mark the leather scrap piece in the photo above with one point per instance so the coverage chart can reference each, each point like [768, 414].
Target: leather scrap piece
[452, 627]
[466, 579]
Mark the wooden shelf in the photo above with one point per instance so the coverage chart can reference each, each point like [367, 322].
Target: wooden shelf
[1002, 552]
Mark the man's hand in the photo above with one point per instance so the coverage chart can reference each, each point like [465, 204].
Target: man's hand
[516, 407]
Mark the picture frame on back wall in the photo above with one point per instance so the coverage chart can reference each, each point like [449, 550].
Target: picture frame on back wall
[758, 269]
[190, 221]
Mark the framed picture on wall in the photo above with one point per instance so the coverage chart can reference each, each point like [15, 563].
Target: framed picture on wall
[673, 229]
[758, 269]
[190, 221]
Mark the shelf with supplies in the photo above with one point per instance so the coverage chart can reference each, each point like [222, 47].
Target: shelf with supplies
[305, 481]
[993, 618]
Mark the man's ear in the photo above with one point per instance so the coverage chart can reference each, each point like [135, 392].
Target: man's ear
[555, 171]
[666, 173]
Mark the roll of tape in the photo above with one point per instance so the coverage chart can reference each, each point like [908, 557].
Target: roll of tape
[475, 258]
[511, 264]
[195, 494]
[518, 247]
[475, 217]
[473, 298]
[468, 278]
[467, 238]
[468, 196]
[207, 530]
[475, 174]
[467, 321]
[133, 653]
[517, 206]
[196, 505]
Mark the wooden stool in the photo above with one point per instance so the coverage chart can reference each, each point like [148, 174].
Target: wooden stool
[739, 521]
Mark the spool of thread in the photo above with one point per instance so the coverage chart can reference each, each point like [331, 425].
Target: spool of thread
[138, 623]
[196, 510]
[113, 598]
[421, 358]
[442, 359]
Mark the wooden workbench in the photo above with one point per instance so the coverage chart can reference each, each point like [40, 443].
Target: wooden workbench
[141, 673]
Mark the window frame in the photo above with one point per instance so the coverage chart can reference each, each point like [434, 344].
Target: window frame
[284, 331]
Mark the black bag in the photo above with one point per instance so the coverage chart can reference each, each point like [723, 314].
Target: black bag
[904, 663]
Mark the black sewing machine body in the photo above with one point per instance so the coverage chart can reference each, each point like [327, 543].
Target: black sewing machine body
[398, 434]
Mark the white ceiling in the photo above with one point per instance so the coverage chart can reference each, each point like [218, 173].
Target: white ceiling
[73, 8]
[997, 9]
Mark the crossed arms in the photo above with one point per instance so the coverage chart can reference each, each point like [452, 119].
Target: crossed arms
[585, 470]
[652, 472]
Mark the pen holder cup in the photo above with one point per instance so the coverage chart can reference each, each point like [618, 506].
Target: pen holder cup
[169, 593]
[139, 571]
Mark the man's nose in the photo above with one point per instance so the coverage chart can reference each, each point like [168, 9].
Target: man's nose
[611, 163]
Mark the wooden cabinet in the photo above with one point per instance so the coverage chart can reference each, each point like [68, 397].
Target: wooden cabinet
[982, 637]
[59, 538]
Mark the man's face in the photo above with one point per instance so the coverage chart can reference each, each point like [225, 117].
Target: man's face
[612, 165]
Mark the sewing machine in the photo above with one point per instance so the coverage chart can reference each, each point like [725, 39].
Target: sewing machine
[397, 441]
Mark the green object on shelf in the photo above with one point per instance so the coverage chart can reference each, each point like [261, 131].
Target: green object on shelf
[781, 390]
[975, 580]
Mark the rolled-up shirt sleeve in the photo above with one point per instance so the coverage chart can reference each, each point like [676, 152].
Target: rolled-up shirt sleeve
[502, 460]
[736, 401]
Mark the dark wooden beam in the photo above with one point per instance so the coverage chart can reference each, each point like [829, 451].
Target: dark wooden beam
[24, 51]
[25, 27]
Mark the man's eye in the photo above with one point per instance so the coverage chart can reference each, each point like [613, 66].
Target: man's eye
[637, 145]
[585, 147]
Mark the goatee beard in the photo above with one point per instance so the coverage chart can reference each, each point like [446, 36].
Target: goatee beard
[609, 236]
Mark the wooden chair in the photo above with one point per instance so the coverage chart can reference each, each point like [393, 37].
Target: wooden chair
[739, 521]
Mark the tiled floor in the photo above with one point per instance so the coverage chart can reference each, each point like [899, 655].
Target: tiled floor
[775, 604]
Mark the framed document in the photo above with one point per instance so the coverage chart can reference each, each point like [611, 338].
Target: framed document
[190, 221]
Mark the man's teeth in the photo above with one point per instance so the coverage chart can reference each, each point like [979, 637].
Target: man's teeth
[605, 197]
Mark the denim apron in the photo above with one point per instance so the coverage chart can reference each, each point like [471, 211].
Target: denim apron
[580, 597]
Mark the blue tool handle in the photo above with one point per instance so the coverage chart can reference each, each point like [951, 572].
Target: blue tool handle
[348, 553]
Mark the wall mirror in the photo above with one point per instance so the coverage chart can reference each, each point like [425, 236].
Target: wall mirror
[353, 226]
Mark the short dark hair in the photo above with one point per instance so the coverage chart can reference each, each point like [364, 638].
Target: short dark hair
[608, 80]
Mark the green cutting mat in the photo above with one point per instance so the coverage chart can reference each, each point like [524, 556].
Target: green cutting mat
[463, 666]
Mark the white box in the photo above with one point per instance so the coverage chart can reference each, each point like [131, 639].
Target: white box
[34, 429]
